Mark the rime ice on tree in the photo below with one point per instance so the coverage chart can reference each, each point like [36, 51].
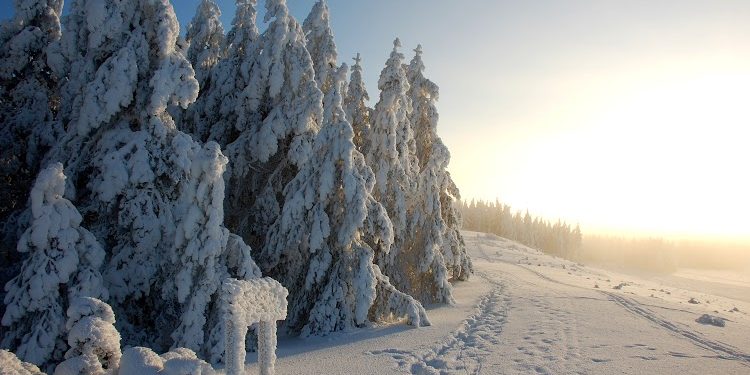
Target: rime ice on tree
[226, 105]
[392, 156]
[94, 341]
[28, 103]
[268, 154]
[10, 363]
[205, 37]
[150, 191]
[206, 47]
[321, 247]
[320, 44]
[63, 263]
[355, 106]
[439, 193]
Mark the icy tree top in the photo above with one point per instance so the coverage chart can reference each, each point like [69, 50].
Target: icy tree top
[244, 27]
[34, 25]
[206, 37]
[321, 44]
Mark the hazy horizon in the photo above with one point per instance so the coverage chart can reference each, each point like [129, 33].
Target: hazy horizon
[626, 117]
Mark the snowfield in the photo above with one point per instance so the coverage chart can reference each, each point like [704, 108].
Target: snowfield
[526, 312]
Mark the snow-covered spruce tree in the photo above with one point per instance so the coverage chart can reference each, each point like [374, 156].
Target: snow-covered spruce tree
[140, 182]
[221, 111]
[321, 45]
[393, 182]
[205, 47]
[27, 111]
[392, 155]
[205, 254]
[286, 102]
[63, 263]
[318, 248]
[205, 38]
[355, 106]
[433, 154]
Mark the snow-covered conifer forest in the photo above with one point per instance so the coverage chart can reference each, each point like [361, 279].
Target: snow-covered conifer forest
[139, 169]
[557, 239]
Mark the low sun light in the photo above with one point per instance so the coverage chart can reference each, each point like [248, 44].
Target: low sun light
[670, 158]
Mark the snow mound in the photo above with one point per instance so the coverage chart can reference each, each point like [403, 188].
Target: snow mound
[711, 320]
[144, 361]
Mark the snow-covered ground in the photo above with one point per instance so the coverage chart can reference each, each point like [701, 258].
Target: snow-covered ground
[527, 312]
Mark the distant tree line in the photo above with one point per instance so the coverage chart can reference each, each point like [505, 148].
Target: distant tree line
[558, 238]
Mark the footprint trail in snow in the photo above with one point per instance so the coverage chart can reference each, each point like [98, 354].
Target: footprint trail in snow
[461, 352]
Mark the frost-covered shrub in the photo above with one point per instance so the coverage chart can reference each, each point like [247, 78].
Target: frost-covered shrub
[11, 365]
[94, 341]
[63, 263]
[396, 304]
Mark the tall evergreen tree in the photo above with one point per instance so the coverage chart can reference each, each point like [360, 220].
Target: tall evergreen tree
[433, 158]
[28, 104]
[392, 156]
[319, 246]
[394, 181]
[63, 263]
[205, 38]
[204, 254]
[321, 45]
[228, 102]
[427, 276]
[142, 184]
[205, 47]
[355, 106]
[287, 108]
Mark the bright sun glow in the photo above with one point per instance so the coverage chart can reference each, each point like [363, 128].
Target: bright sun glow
[669, 159]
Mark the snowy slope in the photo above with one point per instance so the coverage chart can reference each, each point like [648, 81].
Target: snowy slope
[527, 312]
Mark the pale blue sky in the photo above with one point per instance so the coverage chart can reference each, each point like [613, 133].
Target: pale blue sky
[626, 115]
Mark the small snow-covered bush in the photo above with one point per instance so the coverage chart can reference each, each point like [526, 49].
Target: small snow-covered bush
[94, 341]
[11, 365]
